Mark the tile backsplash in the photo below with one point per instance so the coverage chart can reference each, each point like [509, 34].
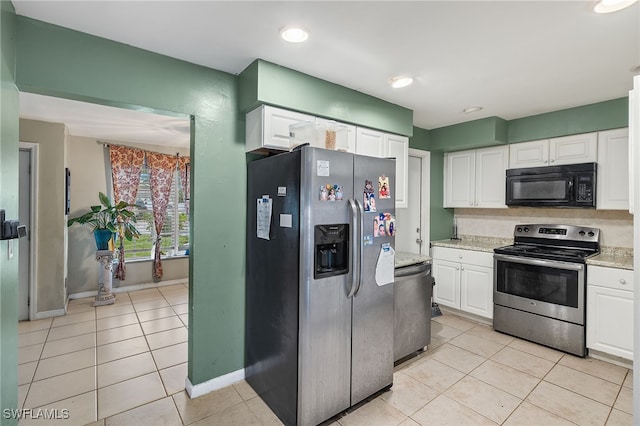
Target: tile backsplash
[616, 227]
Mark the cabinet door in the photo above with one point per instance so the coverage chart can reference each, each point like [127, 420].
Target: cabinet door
[613, 170]
[491, 165]
[529, 154]
[476, 290]
[398, 147]
[447, 289]
[268, 127]
[610, 321]
[459, 179]
[573, 149]
[369, 142]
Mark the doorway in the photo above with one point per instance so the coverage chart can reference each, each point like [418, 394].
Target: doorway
[413, 229]
[26, 207]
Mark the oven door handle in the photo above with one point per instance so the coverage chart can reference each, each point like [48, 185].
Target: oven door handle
[540, 262]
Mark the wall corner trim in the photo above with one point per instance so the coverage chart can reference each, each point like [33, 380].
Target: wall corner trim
[216, 383]
[50, 314]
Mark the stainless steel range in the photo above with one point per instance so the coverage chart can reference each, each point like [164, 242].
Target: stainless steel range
[539, 290]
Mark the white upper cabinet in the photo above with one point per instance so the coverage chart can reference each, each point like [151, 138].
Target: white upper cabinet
[529, 154]
[267, 127]
[398, 147]
[378, 144]
[476, 178]
[572, 149]
[459, 179]
[613, 170]
[369, 142]
[491, 166]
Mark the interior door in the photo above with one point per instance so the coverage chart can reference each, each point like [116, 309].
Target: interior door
[24, 253]
[408, 237]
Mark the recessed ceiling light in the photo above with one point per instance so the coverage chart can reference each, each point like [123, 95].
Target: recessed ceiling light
[294, 34]
[471, 109]
[400, 81]
[608, 6]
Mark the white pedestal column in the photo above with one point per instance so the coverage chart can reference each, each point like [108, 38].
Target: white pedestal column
[105, 295]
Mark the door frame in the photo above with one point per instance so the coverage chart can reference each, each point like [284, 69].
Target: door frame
[33, 149]
[425, 196]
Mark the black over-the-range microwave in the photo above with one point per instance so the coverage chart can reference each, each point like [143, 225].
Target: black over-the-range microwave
[571, 185]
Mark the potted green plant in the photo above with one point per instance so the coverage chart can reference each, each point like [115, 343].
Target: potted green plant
[108, 219]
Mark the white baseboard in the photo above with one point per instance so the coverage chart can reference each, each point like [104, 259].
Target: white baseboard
[50, 314]
[216, 383]
[134, 287]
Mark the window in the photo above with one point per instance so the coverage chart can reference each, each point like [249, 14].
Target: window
[175, 231]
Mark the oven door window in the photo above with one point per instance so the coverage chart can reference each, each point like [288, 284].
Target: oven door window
[545, 284]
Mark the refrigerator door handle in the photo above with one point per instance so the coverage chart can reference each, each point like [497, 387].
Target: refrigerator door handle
[359, 243]
[355, 259]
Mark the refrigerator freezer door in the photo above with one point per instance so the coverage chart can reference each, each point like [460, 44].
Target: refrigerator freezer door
[325, 310]
[372, 318]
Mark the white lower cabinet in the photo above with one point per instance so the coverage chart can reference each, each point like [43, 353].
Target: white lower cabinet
[610, 311]
[464, 280]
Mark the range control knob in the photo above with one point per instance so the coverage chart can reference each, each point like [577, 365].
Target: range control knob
[519, 229]
[526, 229]
[581, 233]
[591, 234]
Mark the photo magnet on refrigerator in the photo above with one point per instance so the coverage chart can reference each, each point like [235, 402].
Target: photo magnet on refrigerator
[368, 197]
[384, 189]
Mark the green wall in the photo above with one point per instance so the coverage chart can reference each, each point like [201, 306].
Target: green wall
[492, 131]
[263, 82]
[56, 61]
[8, 202]
[606, 115]
[471, 134]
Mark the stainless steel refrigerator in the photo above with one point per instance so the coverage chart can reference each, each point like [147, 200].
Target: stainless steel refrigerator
[319, 295]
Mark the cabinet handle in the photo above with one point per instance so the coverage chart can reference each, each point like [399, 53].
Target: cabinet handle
[622, 281]
[553, 161]
[457, 268]
[462, 268]
[459, 256]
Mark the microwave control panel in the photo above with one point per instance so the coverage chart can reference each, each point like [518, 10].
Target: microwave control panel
[584, 190]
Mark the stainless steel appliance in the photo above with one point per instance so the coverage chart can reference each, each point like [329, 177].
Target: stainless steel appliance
[571, 185]
[540, 285]
[412, 312]
[319, 292]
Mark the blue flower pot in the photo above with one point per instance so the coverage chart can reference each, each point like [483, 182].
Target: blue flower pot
[102, 237]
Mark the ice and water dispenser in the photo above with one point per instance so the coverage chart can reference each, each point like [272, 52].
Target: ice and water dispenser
[331, 250]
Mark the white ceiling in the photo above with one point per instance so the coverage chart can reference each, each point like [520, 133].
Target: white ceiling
[513, 58]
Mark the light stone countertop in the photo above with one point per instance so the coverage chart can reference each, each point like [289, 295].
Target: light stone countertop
[613, 257]
[406, 259]
[474, 242]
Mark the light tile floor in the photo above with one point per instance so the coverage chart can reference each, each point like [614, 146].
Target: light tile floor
[125, 364]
